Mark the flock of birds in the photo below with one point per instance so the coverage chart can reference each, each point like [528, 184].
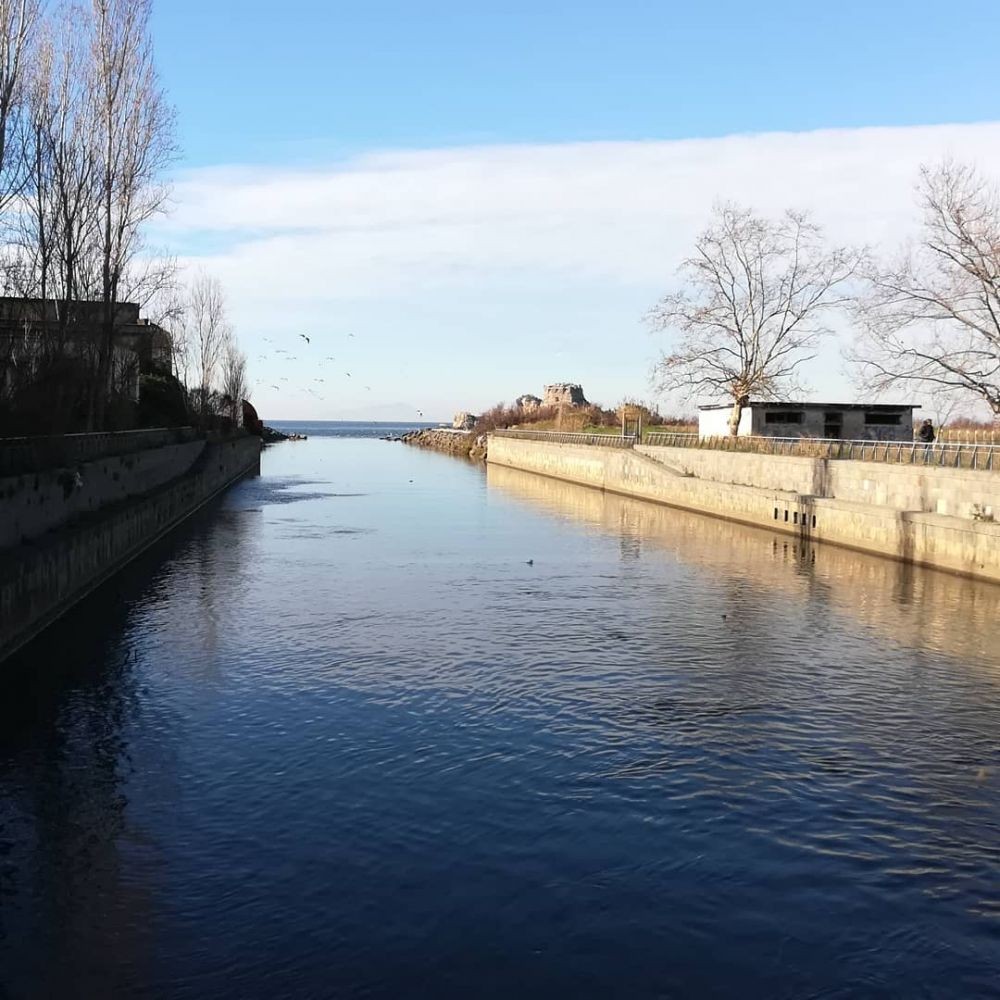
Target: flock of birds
[280, 354]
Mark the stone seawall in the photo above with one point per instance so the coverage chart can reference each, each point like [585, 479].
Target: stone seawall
[949, 542]
[40, 580]
[927, 488]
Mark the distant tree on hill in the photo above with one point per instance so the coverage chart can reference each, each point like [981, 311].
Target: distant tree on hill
[753, 308]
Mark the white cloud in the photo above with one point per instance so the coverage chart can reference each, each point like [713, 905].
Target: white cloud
[521, 241]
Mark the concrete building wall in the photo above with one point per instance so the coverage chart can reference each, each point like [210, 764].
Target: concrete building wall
[816, 421]
[715, 423]
[39, 502]
[944, 542]
[40, 581]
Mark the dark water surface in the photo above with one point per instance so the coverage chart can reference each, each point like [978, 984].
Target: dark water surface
[338, 738]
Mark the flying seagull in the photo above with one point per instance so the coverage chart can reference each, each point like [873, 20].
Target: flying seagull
[348, 374]
[330, 359]
[305, 338]
[350, 335]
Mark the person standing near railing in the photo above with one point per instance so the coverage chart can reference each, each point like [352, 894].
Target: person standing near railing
[926, 435]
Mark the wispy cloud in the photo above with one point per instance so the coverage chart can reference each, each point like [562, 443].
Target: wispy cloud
[428, 234]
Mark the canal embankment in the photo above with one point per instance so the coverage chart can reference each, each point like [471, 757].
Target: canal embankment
[929, 516]
[68, 527]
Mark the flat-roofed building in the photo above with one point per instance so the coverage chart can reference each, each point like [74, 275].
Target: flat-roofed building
[855, 421]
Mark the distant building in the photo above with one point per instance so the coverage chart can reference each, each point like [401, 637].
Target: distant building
[30, 330]
[856, 421]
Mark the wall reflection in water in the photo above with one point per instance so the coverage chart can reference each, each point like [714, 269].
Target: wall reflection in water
[76, 875]
[907, 604]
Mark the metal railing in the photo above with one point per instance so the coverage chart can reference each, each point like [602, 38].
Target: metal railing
[948, 454]
[558, 437]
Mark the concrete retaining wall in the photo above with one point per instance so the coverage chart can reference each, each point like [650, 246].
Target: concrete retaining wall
[930, 489]
[946, 542]
[35, 454]
[41, 580]
[38, 502]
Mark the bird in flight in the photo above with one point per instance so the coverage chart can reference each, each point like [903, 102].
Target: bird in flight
[317, 380]
[305, 338]
[330, 359]
[350, 335]
[420, 413]
[348, 374]
[278, 387]
[368, 387]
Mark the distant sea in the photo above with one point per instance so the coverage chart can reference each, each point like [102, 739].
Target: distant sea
[347, 428]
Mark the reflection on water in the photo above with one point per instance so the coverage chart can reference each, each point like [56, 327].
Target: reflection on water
[930, 610]
[382, 725]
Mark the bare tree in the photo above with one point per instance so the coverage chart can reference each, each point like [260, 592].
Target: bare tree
[58, 223]
[758, 291]
[169, 309]
[133, 133]
[234, 376]
[18, 20]
[208, 330]
[932, 318]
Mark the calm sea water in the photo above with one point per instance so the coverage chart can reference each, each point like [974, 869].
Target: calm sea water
[338, 737]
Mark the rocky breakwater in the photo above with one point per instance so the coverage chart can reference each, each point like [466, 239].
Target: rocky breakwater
[464, 444]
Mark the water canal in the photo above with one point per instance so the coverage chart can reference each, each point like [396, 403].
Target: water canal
[339, 738]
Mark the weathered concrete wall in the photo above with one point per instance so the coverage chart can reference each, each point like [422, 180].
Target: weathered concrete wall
[36, 454]
[42, 501]
[951, 543]
[930, 489]
[41, 580]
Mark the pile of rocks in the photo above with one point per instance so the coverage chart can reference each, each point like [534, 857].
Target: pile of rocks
[271, 436]
[452, 442]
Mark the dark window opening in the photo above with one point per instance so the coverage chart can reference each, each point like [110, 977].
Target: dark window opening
[776, 513]
[795, 517]
[884, 419]
[784, 417]
[814, 520]
[786, 515]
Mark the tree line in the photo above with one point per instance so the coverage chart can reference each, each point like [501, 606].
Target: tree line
[86, 137]
[758, 294]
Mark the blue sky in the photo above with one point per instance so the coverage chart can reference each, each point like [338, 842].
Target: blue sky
[274, 100]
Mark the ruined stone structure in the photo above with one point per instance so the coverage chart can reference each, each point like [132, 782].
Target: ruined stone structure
[527, 402]
[564, 394]
[464, 421]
